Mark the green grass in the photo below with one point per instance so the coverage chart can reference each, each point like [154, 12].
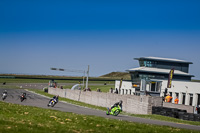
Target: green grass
[165, 118]
[155, 117]
[25, 119]
[9, 87]
[2, 80]
[103, 88]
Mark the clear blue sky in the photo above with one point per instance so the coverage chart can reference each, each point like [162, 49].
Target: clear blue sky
[105, 34]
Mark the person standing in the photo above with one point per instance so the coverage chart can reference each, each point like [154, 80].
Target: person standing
[116, 91]
[168, 98]
[176, 100]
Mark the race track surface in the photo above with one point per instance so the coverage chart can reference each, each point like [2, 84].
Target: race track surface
[41, 101]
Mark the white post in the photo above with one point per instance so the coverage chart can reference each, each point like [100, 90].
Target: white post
[87, 77]
[173, 96]
[195, 96]
[180, 97]
[187, 99]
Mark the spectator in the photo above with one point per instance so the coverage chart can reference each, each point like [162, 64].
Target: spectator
[98, 90]
[116, 91]
[61, 87]
[176, 100]
[88, 89]
[168, 98]
[111, 90]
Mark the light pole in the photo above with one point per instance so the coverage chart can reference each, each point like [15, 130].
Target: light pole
[87, 77]
[78, 71]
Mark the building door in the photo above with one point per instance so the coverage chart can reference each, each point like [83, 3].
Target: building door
[191, 99]
[153, 86]
[198, 100]
[183, 101]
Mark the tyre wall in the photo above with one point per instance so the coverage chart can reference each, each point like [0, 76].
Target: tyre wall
[175, 113]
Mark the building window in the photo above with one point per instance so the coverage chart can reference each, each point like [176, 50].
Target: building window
[148, 63]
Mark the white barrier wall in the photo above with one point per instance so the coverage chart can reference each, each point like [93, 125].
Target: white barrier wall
[131, 104]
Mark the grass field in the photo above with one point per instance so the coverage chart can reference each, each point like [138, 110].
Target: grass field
[104, 88]
[7, 80]
[25, 119]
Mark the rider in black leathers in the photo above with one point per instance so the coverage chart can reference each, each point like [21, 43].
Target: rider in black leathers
[55, 98]
[24, 95]
[116, 105]
[5, 92]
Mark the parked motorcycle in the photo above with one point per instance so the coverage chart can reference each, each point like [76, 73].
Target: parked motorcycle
[52, 103]
[114, 111]
[4, 95]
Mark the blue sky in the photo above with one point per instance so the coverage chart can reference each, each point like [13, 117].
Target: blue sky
[107, 35]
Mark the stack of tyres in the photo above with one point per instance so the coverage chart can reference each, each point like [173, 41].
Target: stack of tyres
[163, 112]
[175, 113]
[196, 117]
[156, 110]
[190, 116]
[186, 116]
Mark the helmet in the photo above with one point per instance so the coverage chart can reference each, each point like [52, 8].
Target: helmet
[120, 101]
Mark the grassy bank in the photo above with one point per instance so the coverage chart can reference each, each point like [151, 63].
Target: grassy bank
[23, 119]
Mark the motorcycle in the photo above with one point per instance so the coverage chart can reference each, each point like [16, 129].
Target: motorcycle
[52, 102]
[4, 95]
[22, 98]
[114, 111]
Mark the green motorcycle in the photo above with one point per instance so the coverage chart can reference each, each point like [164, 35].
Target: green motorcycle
[114, 111]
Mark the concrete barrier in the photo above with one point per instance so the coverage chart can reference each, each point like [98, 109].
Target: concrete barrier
[131, 103]
[188, 108]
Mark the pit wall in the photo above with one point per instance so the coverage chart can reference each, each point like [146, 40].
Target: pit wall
[131, 103]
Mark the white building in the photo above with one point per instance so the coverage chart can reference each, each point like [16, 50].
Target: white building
[151, 78]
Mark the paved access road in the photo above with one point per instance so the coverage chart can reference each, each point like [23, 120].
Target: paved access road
[41, 101]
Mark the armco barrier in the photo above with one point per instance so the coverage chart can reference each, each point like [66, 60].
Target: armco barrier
[131, 103]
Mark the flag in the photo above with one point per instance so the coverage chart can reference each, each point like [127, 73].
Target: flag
[171, 73]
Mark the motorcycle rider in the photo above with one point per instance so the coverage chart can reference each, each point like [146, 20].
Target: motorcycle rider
[24, 95]
[55, 98]
[116, 105]
[5, 92]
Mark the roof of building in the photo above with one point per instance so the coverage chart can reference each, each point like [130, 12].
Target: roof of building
[158, 70]
[163, 59]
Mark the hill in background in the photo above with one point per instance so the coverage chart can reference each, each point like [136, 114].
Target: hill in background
[117, 75]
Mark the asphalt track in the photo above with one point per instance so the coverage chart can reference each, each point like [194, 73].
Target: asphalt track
[42, 101]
